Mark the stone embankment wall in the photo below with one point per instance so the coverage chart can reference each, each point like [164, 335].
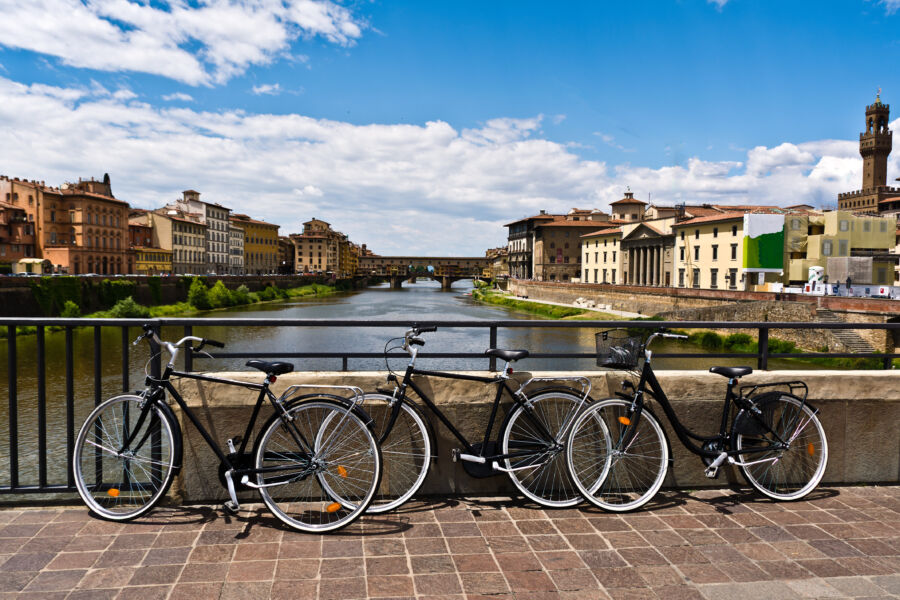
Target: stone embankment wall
[860, 412]
[680, 304]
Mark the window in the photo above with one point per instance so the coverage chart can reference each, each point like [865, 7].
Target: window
[53, 216]
[682, 236]
[734, 231]
[52, 237]
[715, 232]
[614, 256]
[734, 252]
[596, 257]
[681, 253]
[585, 275]
[867, 225]
[844, 225]
[882, 275]
[795, 224]
[696, 252]
[714, 278]
[604, 276]
[696, 278]
[604, 241]
[732, 279]
[826, 247]
[883, 227]
[604, 257]
[680, 277]
[842, 247]
[715, 250]
[613, 280]
[696, 234]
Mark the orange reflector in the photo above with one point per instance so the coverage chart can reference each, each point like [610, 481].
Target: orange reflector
[113, 492]
[810, 449]
[624, 420]
[342, 471]
[333, 507]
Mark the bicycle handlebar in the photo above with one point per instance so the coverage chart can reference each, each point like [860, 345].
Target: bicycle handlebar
[172, 349]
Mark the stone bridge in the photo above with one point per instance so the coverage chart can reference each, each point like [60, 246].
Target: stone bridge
[445, 269]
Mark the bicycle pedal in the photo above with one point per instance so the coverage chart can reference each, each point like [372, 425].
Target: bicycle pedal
[231, 508]
[454, 455]
[712, 472]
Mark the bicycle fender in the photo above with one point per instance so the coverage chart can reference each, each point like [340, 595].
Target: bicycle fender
[356, 409]
[748, 423]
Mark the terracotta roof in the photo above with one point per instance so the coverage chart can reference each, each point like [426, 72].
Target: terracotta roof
[247, 219]
[891, 199]
[730, 216]
[12, 206]
[182, 219]
[650, 227]
[543, 217]
[602, 232]
[563, 223]
[627, 201]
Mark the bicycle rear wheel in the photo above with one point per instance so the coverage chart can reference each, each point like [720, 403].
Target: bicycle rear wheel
[783, 474]
[623, 467]
[540, 473]
[117, 482]
[321, 486]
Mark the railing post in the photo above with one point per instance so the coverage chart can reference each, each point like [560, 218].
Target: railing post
[70, 406]
[189, 350]
[344, 366]
[41, 406]
[125, 378]
[493, 344]
[763, 357]
[98, 380]
[888, 362]
[13, 408]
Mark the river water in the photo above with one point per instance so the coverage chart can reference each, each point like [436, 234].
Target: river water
[420, 301]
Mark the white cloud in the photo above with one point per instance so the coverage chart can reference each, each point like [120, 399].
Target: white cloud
[268, 89]
[180, 96]
[424, 189]
[891, 6]
[719, 4]
[200, 44]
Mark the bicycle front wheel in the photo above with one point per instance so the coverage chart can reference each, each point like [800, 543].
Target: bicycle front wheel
[118, 481]
[783, 474]
[621, 466]
[317, 486]
[533, 433]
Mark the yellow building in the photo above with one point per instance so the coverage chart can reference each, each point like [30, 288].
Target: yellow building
[260, 245]
[813, 238]
[152, 261]
[601, 257]
[709, 252]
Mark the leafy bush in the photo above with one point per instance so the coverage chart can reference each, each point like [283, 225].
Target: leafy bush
[70, 310]
[777, 346]
[114, 290]
[220, 296]
[272, 292]
[52, 293]
[738, 339]
[242, 295]
[128, 309]
[198, 294]
[710, 340]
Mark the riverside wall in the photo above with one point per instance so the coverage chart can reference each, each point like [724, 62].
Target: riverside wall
[683, 304]
[859, 410]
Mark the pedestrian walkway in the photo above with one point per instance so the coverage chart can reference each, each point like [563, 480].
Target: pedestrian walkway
[609, 311]
[841, 543]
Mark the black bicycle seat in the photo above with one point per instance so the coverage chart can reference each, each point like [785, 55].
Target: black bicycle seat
[731, 372]
[508, 355]
[272, 368]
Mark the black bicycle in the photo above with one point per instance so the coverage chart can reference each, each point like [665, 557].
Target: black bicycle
[530, 443]
[618, 454]
[316, 461]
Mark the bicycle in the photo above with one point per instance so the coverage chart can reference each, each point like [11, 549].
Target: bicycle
[775, 438]
[530, 441]
[129, 448]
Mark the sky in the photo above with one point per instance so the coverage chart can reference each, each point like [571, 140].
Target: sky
[421, 128]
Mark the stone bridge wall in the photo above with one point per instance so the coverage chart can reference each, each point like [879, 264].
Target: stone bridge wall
[860, 412]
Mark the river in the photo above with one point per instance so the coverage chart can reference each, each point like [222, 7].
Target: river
[420, 301]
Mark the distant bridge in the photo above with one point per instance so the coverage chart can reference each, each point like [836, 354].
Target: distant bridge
[445, 269]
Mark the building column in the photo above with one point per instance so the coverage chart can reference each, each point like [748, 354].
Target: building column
[659, 267]
[642, 263]
[630, 266]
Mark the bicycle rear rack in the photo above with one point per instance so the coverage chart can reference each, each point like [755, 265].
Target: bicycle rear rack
[795, 388]
[584, 382]
[357, 395]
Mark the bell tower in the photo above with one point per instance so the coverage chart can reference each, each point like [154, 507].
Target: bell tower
[875, 145]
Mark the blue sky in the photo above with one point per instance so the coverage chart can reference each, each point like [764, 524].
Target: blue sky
[466, 114]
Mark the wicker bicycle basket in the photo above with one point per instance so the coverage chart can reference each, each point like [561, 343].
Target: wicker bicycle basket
[618, 350]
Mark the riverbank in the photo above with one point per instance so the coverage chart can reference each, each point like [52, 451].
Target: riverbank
[546, 309]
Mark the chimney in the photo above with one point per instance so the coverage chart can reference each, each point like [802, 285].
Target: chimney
[543, 212]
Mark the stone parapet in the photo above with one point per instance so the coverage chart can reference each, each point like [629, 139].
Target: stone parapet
[859, 410]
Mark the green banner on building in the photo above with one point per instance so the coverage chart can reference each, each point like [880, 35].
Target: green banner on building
[763, 243]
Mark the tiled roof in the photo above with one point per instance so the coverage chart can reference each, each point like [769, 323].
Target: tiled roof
[729, 216]
[543, 217]
[563, 223]
[627, 201]
[603, 232]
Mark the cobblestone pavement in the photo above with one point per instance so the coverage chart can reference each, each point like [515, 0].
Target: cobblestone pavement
[841, 543]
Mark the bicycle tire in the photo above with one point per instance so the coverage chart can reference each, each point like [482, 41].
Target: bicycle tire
[542, 478]
[121, 487]
[349, 458]
[627, 479]
[798, 470]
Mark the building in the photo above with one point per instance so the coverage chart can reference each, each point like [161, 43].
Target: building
[827, 240]
[260, 245]
[499, 267]
[216, 218]
[875, 195]
[236, 237]
[79, 227]
[647, 253]
[146, 256]
[557, 249]
[16, 235]
[708, 252]
[321, 249]
[286, 256]
[600, 256]
[628, 209]
[185, 235]
[520, 244]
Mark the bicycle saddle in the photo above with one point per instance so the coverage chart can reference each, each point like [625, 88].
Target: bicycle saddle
[508, 355]
[731, 372]
[272, 368]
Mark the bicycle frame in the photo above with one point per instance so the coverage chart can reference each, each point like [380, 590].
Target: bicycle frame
[400, 396]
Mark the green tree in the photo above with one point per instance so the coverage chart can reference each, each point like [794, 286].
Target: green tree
[219, 295]
[198, 294]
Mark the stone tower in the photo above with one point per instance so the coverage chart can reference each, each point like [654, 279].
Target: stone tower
[875, 145]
